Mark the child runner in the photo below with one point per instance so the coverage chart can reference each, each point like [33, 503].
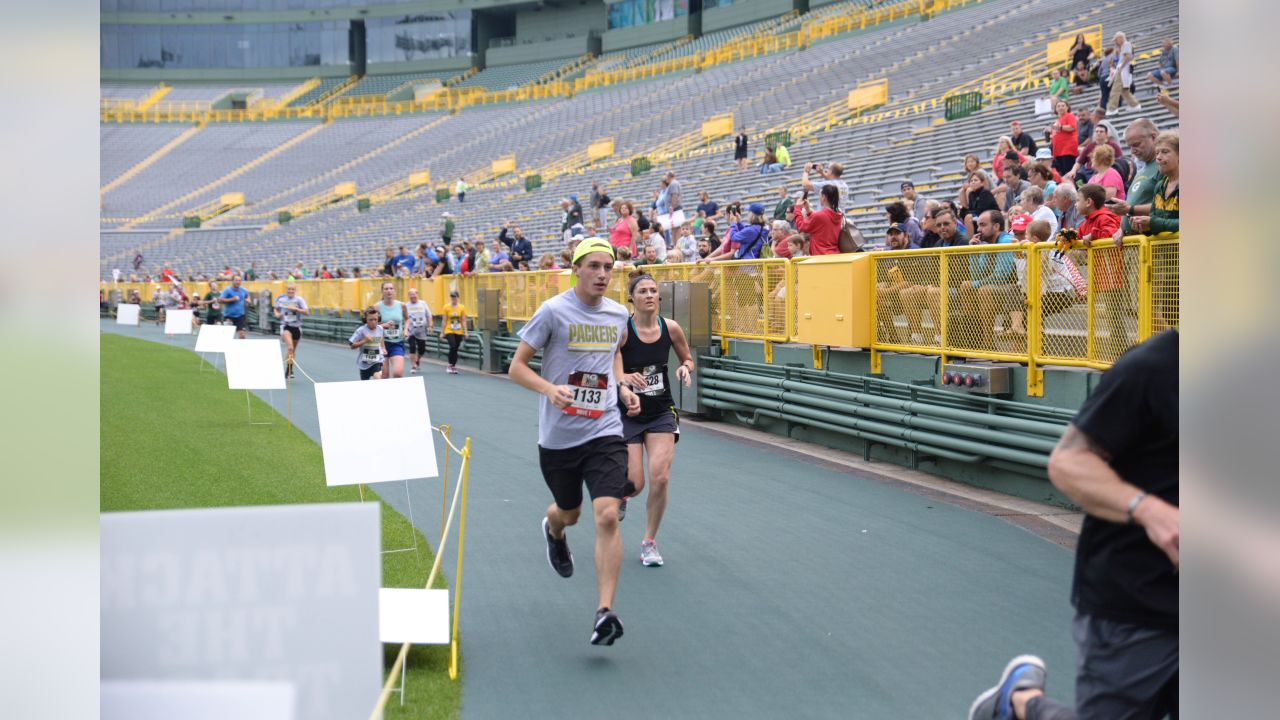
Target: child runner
[420, 324]
[369, 340]
[290, 307]
[453, 329]
[393, 315]
[656, 429]
[579, 427]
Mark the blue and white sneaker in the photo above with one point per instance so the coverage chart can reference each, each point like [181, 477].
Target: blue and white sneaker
[1025, 672]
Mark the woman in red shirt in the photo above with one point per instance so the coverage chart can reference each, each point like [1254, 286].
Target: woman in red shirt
[1063, 139]
[823, 226]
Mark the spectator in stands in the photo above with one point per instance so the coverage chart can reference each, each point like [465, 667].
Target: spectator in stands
[1081, 78]
[1033, 206]
[823, 226]
[1042, 177]
[402, 259]
[252, 273]
[137, 262]
[1081, 51]
[896, 238]
[981, 199]
[709, 229]
[704, 248]
[1022, 141]
[707, 207]
[784, 155]
[653, 237]
[746, 236]
[623, 259]
[828, 175]
[771, 163]
[1106, 175]
[1122, 76]
[1107, 265]
[575, 211]
[913, 201]
[650, 256]
[779, 231]
[388, 263]
[1003, 147]
[782, 210]
[446, 231]
[1082, 169]
[521, 248]
[1088, 122]
[1063, 204]
[1099, 222]
[675, 199]
[971, 165]
[798, 245]
[1063, 140]
[990, 276]
[461, 190]
[740, 148]
[899, 215]
[626, 231]
[1015, 183]
[599, 202]
[941, 229]
[1044, 158]
[1140, 136]
[1058, 88]
[1164, 206]
[499, 259]
[685, 242]
[1170, 65]
[675, 257]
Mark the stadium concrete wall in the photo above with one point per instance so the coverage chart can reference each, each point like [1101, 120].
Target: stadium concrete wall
[743, 12]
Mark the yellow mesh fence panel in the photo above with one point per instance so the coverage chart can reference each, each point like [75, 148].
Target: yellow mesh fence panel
[983, 300]
[907, 301]
[1164, 284]
[1064, 314]
[1113, 299]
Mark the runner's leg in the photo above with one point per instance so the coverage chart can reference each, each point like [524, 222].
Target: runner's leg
[608, 549]
[661, 448]
[635, 465]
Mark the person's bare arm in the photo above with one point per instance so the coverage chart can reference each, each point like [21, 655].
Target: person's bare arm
[559, 395]
[680, 344]
[1078, 467]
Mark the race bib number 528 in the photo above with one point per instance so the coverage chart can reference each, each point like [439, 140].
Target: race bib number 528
[590, 394]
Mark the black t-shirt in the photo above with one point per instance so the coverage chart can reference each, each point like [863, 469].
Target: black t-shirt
[1025, 143]
[980, 202]
[1133, 415]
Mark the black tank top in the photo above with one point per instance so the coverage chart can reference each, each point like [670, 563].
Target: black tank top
[650, 360]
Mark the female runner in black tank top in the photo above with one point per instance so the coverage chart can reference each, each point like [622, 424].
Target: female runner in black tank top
[654, 431]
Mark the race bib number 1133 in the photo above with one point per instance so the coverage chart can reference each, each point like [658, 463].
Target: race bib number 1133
[590, 394]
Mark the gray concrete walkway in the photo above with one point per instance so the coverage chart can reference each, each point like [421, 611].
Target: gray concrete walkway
[792, 588]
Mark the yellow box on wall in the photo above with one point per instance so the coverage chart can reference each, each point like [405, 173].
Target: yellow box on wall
[832, 307]
[233, 199]
[420, 178]
[504, 165]
[346, 189]
[868, 95]
[600, 149]
[718, 126]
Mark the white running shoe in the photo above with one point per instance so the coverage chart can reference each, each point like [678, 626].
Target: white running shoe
[649, 555]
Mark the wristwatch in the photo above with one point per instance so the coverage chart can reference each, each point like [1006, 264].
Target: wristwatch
[1133, 504]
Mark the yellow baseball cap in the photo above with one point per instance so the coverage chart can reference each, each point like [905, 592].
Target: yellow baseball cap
[590, 245]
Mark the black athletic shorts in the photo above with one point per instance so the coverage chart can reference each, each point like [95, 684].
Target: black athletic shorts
[366, 373]
[634, 429]
[600, 463]
[417, 345]
[239, 322]
[293, 330]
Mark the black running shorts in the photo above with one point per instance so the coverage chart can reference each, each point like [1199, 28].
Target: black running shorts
[634, 430]
[417, 345]
[239, 322]
[600, 463]
[366, 373]
[295, 331]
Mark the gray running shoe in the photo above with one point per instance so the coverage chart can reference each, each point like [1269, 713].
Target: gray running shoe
[558, 555]
[607, 628]
[649, 554]
[622, 510]
[1025, 672]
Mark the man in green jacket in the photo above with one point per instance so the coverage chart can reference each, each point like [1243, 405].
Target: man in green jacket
[447, 233]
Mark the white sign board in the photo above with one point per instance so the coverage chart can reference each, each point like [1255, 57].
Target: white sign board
[374, 430]
[177, 322]
[127, 700]
[420, 617]
[254, 365]
[272, 593]
[214, 338]
[127, 314]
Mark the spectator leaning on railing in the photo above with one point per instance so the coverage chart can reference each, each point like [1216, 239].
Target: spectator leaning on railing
[1140, 136]
[1064, 206]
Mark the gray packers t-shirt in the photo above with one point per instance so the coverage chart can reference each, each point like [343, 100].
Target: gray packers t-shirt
[288, 307]
[577, 338]
[418, 313]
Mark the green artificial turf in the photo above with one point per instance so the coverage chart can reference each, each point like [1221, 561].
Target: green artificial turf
[173, 437]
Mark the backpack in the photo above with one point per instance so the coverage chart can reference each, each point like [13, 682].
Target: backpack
[641, 221]
[752, 251]
[851, 240]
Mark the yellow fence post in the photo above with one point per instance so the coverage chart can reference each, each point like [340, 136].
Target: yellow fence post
[1090, 305]
[1034, 323]
[1145, 289]
[457, 580]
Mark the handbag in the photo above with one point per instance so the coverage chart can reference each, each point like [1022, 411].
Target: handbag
[850, 239]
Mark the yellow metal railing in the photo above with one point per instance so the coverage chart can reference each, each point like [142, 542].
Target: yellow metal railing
[1002, 302]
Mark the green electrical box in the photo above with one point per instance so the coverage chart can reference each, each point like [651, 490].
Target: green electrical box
[963, 105]
[191, 221]
[442, 195]
[284, 216]
[362, 204]
[532, 182]
[640, 165]
[774, 139]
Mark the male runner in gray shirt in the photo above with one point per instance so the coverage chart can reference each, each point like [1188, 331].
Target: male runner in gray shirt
[579, 425]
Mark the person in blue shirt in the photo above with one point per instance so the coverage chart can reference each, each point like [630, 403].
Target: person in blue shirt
[402, 259]
[233, 307]
[991, 276]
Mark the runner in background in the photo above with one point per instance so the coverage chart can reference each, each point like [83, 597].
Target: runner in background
[368, 341]
[453, 329]
[656, 429]
[420, 324]
[579, 427]
[233, 301]
[290, 307]
[212, 306]
[159, 299]
[393, 315]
